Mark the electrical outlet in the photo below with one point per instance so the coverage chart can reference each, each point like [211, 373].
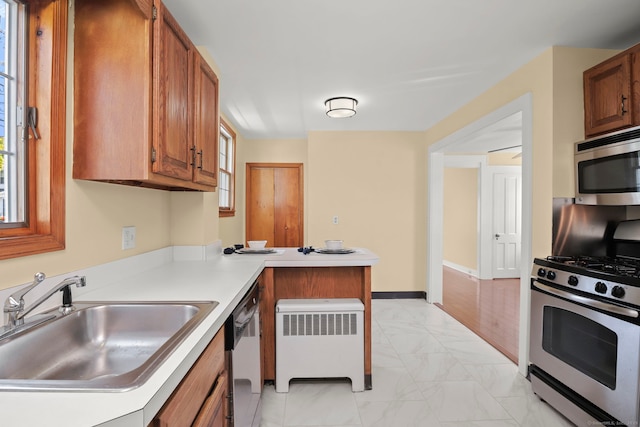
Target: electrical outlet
[128, 237]
[335, 219]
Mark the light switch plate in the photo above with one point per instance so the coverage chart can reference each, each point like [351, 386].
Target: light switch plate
[128, 237]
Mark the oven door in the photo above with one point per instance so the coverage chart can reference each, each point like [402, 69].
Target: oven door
[591, 352]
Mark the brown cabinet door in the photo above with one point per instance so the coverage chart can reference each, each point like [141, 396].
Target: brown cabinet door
[173, 71]
[275, 204]
[206, 123]
[607, 96]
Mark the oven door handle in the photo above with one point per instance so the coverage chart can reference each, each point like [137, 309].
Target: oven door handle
[611, 308]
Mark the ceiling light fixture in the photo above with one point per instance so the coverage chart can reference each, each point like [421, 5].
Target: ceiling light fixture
[341, 107]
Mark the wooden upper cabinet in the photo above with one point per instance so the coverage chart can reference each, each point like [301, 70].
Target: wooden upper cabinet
[173, 81]
[612, 93]
[207, 123]
[137, 115]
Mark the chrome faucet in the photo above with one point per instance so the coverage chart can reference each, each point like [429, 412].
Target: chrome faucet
[14, 305]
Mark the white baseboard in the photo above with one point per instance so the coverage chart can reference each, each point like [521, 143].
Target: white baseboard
[461, 268]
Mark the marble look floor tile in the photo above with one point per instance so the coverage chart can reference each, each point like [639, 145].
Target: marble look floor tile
[328, 403]
[435, 367]
[396, 327]
[451, 332]
[475, 352]
[530, 411]
[273, 406]
[390, 383]
[397, 413]
[483, 423]
[415, 343]
[500, 380]
[385, 355]
[462, 401]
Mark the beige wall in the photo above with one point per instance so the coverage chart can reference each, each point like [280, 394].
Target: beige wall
[460, 224]
[503, 159]
[375, 183]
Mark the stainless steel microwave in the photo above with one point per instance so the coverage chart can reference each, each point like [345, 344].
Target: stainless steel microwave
[608, 169]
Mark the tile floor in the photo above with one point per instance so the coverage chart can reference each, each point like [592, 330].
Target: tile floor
[428, 370]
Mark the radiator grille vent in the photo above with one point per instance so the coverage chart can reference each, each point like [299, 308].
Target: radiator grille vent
[319, 324]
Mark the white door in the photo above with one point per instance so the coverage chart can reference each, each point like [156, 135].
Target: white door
[507, 212]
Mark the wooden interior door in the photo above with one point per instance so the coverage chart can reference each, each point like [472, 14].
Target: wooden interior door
[275, 204]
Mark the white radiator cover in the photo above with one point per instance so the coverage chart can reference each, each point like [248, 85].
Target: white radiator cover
[319, 338]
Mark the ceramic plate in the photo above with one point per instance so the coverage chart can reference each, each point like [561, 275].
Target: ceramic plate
[335, 251]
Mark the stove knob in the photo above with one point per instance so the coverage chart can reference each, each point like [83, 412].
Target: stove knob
[542, 272]
[551, 275]
[573, 280]
[617, 291]
[601, 288]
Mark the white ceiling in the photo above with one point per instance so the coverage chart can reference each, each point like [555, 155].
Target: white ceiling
[410, 63]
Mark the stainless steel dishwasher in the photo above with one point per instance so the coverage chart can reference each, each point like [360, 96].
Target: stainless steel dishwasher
[242, 341]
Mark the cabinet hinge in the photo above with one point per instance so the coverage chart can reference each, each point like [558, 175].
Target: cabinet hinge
[153, 154]
[154, 13]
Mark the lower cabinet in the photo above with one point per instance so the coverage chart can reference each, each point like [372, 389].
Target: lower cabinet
[201, 398]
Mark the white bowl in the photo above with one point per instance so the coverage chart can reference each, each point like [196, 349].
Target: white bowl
[333, 244]
[257, 244]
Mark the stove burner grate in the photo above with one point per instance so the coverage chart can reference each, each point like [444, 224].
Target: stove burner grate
[619, 266]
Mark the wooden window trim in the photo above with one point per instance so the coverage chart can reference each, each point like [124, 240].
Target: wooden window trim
[47, 74]
[224, 212]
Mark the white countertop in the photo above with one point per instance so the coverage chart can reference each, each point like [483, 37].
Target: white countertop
[223, 278]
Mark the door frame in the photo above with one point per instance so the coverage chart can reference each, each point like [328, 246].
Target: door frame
[435, 168]
[298, 166]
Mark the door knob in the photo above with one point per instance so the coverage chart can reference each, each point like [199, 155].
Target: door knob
[497, 236]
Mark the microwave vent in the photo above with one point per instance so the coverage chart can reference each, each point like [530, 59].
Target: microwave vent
[612, 138]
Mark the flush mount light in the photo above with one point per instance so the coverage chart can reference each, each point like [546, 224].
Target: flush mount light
[341, 107]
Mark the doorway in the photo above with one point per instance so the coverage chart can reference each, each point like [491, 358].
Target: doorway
[436, 160]
[275, 200]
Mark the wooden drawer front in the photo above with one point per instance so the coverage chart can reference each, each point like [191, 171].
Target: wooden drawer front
[213, 413]
[182, 407]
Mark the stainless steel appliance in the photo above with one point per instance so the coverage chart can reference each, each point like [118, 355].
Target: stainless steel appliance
[585, 332]
[608, 169]
[242, 341]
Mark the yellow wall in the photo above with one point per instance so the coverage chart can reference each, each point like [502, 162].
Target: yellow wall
[460, 224]
[375, 183]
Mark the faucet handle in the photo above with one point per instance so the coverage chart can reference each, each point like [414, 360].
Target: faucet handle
[39, 277]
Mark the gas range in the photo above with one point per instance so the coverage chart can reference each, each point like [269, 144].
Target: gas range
[608, 278]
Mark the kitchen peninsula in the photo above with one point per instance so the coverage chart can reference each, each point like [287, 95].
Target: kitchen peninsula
[292, 274]
[185, 274]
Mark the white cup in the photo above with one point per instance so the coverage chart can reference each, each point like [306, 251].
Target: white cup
[333, 244]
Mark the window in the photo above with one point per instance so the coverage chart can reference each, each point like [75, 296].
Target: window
[12, 142]
[32, 153]
[226, 183]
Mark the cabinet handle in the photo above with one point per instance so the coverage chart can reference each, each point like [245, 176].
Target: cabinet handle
[193, 156]
[200, 154]
[623, 98]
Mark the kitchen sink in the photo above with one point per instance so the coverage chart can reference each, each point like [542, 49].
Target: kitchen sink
[101, 346]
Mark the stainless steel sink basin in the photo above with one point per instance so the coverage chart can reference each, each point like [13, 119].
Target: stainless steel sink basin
[103, 346]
